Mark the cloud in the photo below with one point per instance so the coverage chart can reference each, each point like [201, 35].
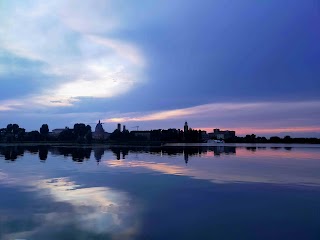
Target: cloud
[123, 49]
[214, 108]
[9, 105]
[282, 130]
[72, 41]
[260, 117]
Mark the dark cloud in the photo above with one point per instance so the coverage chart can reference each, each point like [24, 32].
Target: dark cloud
[216, 52]
[20, 76]
[207, 52]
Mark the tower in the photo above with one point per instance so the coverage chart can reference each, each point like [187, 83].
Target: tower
[185, 128]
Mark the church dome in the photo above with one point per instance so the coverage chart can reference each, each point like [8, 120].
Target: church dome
[99, 128]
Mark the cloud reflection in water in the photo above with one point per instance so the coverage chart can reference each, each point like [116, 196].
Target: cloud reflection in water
[247, 167]
[91, 211]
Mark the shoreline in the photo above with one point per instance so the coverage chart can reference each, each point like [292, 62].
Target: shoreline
[157, 144]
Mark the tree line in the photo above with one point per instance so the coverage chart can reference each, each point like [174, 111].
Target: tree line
[14, 133]
[273, 139]
[80, 133]
[158, 135]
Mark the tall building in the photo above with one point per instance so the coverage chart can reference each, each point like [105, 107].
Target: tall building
[186, 128]
[119, 127]
[185, 131]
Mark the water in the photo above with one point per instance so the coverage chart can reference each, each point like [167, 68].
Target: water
[177, 192]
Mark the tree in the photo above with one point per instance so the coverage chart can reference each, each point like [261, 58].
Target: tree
[88, 135]
[3, 132]
[12, 132]
[66, 135]
[15, 128]
[9, 128]
[287, 139]
[34, 136]
[116, 135]
[44, 130]
[21, 133]
[79, 130]
[275, 139]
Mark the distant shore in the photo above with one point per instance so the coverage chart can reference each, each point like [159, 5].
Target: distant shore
[153, 144]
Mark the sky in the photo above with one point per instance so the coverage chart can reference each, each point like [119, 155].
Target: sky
[250, 66]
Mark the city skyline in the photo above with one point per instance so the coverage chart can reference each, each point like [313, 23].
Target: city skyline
[252, 67]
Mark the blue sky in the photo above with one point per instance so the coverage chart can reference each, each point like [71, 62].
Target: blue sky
[252, 66]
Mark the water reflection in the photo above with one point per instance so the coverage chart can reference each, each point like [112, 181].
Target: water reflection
[11, 152]
[43, 152]
[232, 164]
[159, 192]
[59, 208]
[98, 153]
[80, 154]
[118, 152]
[83, 153]
[100, 209]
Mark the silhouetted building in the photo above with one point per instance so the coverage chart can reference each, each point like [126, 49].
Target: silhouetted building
[119, 127]
[57, 131]
[185, 128]
[186, 157]
[204, 136]
[185, 131]
[222, 135]
[145, 135]
[99, 133]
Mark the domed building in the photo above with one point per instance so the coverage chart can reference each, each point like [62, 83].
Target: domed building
[99, 129]
[99, 132]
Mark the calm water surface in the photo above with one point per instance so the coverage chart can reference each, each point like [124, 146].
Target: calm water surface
[221, 192]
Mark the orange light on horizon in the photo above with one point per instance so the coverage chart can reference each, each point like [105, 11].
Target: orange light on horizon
[244, 131]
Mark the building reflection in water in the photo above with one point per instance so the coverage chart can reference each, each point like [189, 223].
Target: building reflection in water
[98, 153]
[118, 152]
[80, 154]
